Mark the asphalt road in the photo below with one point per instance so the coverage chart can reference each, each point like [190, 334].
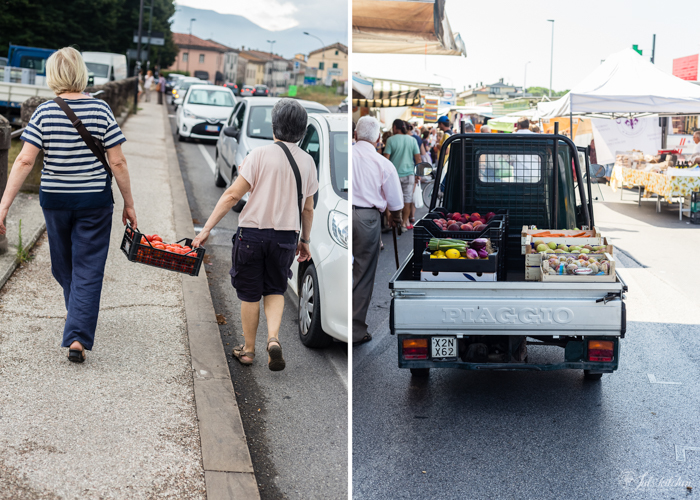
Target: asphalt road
[295, 420]
[547, 435]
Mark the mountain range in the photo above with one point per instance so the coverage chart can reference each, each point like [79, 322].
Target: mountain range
[238, 32]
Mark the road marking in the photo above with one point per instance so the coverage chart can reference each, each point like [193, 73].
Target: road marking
[207, 158]
[340, 366]
[680, 451]
[652, 379]
[171, 116]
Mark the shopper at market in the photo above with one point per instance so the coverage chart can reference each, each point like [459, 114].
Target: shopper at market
[375, 188]
[523, 126]
[271, 229]
[76, 192]
[401, 149]
[695, 157]
[485, 129]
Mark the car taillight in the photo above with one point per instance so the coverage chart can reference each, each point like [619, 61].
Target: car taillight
[415, 348]
[600, 350]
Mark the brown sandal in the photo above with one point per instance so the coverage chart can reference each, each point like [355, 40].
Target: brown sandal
[276, 362]
[238, 353]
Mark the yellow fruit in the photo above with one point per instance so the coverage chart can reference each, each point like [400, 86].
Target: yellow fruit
[452, 254]
[442, 256]
[433, 256]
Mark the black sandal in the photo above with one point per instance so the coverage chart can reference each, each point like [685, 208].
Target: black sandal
[364, 339]
[276, 363]
[76, 355]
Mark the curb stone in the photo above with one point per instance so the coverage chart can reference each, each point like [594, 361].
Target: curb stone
[14, 263]
[228, 468]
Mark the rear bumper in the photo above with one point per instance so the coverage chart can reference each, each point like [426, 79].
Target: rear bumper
[575, 359]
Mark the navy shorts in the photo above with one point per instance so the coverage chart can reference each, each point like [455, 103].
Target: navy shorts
[261, 262]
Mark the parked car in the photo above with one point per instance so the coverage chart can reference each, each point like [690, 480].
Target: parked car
[321, 284]
[343, 106]
[204, 112]
[181, 89]
[249, 126]
[234, 88]
[262, 90]
[171, 81]
[247, 91]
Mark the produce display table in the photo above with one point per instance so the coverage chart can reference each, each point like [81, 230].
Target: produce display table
[663, 185]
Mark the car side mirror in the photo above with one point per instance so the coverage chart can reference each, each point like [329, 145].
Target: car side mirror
[423, 168]
[231, 132]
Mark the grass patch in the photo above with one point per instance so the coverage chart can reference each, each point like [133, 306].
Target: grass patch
[320, 94]
[22, 253]
[15, 148]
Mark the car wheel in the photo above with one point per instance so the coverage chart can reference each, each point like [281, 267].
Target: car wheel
[181, 138]
[420, 372]
[218, 180]
[310, 331]
[587, 375]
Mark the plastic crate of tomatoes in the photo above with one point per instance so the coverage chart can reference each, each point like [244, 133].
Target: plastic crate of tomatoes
[152, 251]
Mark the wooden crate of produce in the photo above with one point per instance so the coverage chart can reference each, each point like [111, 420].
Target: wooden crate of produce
[533, 260]
[590, 237]
[573, 278]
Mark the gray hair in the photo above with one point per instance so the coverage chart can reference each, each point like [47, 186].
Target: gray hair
[367, 129]
[486, 129]
[288, 120]
[469, 127]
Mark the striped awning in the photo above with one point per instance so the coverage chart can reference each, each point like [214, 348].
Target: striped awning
[388, 99]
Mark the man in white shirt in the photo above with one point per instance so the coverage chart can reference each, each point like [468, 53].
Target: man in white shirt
[375, 188]
[695, 156]
[524, 126]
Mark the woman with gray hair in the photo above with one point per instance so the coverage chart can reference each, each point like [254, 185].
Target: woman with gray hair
[281, 179]
[76, 190]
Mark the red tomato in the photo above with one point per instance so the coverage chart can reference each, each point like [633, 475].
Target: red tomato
[155, 237]
[176, 245]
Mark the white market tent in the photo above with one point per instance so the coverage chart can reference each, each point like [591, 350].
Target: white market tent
[626, 84]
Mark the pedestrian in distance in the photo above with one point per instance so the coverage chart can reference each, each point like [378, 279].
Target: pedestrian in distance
[281, 179]
[523, 126]
[375, 188]
[148, 85]
[402, 150]
[76, 190]
[485, 129]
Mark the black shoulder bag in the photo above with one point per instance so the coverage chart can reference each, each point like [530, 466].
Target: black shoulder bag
[297, 177]
[93, 144]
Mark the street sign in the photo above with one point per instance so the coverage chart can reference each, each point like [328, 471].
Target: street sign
[417, 112]
[296, 64]
[292, 91]
[449, 97]
[335, 72]
[309, 80]
[132, 55]
[157, 37]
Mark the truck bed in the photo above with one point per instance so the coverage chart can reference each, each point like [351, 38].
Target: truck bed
[513, 307]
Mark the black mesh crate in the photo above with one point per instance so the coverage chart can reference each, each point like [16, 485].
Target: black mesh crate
[145, 253]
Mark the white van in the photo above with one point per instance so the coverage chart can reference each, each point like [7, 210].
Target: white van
[105, 67]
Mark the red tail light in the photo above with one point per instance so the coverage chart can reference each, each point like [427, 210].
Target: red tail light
[600, 350]
[415, 349]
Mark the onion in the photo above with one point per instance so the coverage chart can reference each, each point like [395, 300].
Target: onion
[472, 254]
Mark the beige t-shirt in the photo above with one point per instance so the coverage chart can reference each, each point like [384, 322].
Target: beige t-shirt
[272, 203]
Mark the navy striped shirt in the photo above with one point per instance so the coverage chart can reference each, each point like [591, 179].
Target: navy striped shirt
[73, 178]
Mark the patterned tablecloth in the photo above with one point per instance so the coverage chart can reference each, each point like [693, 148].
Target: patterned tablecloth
[661, 184]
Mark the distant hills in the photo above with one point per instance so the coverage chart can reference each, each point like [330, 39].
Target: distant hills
[237, 31]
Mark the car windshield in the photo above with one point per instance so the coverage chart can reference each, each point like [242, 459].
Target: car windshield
[186, 85]
[208, 97]
[97, 69]
[260, 122]
[339, 163]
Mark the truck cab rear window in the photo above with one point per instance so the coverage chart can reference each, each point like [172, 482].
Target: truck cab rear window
[518, 168]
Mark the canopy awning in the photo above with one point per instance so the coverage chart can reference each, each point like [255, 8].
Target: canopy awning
[404, 27]
[626, 84]
[387, 99]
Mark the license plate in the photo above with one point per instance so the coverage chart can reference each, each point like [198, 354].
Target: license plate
[444, 347]
[211, 128]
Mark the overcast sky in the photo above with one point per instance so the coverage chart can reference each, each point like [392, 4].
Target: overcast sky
[501, 37]
[278, 15]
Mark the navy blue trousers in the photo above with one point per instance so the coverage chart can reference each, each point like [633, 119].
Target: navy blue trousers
[79, 243]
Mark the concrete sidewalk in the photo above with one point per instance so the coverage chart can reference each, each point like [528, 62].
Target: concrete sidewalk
[125, 423]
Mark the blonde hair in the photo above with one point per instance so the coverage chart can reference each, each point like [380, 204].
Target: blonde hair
[66, 71]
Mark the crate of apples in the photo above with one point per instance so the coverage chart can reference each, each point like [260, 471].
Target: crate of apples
[464, 222]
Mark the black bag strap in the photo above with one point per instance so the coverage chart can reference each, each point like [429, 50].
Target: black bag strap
[93, 144]
[297, 176]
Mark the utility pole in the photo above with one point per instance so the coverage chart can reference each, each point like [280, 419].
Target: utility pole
[653, 49]
[525, 79]
[272, 64]
[189, 49]
[551, 59]
[137, 68]
[148, 45]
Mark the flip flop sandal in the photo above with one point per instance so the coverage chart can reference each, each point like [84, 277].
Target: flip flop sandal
[76, 355]
[364, 339]
[238, 353]
[276, 363]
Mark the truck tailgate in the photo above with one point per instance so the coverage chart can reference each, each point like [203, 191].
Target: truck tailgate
[507, 308]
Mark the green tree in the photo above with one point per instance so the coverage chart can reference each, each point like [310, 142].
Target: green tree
[90, 25]
[542, 91]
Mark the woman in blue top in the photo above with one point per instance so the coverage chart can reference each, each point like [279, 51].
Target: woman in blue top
[76, 192]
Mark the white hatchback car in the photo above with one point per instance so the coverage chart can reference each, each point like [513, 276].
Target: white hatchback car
[204, 111]
[321, 284]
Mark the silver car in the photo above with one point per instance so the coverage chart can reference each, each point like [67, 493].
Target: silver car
[249, 127]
